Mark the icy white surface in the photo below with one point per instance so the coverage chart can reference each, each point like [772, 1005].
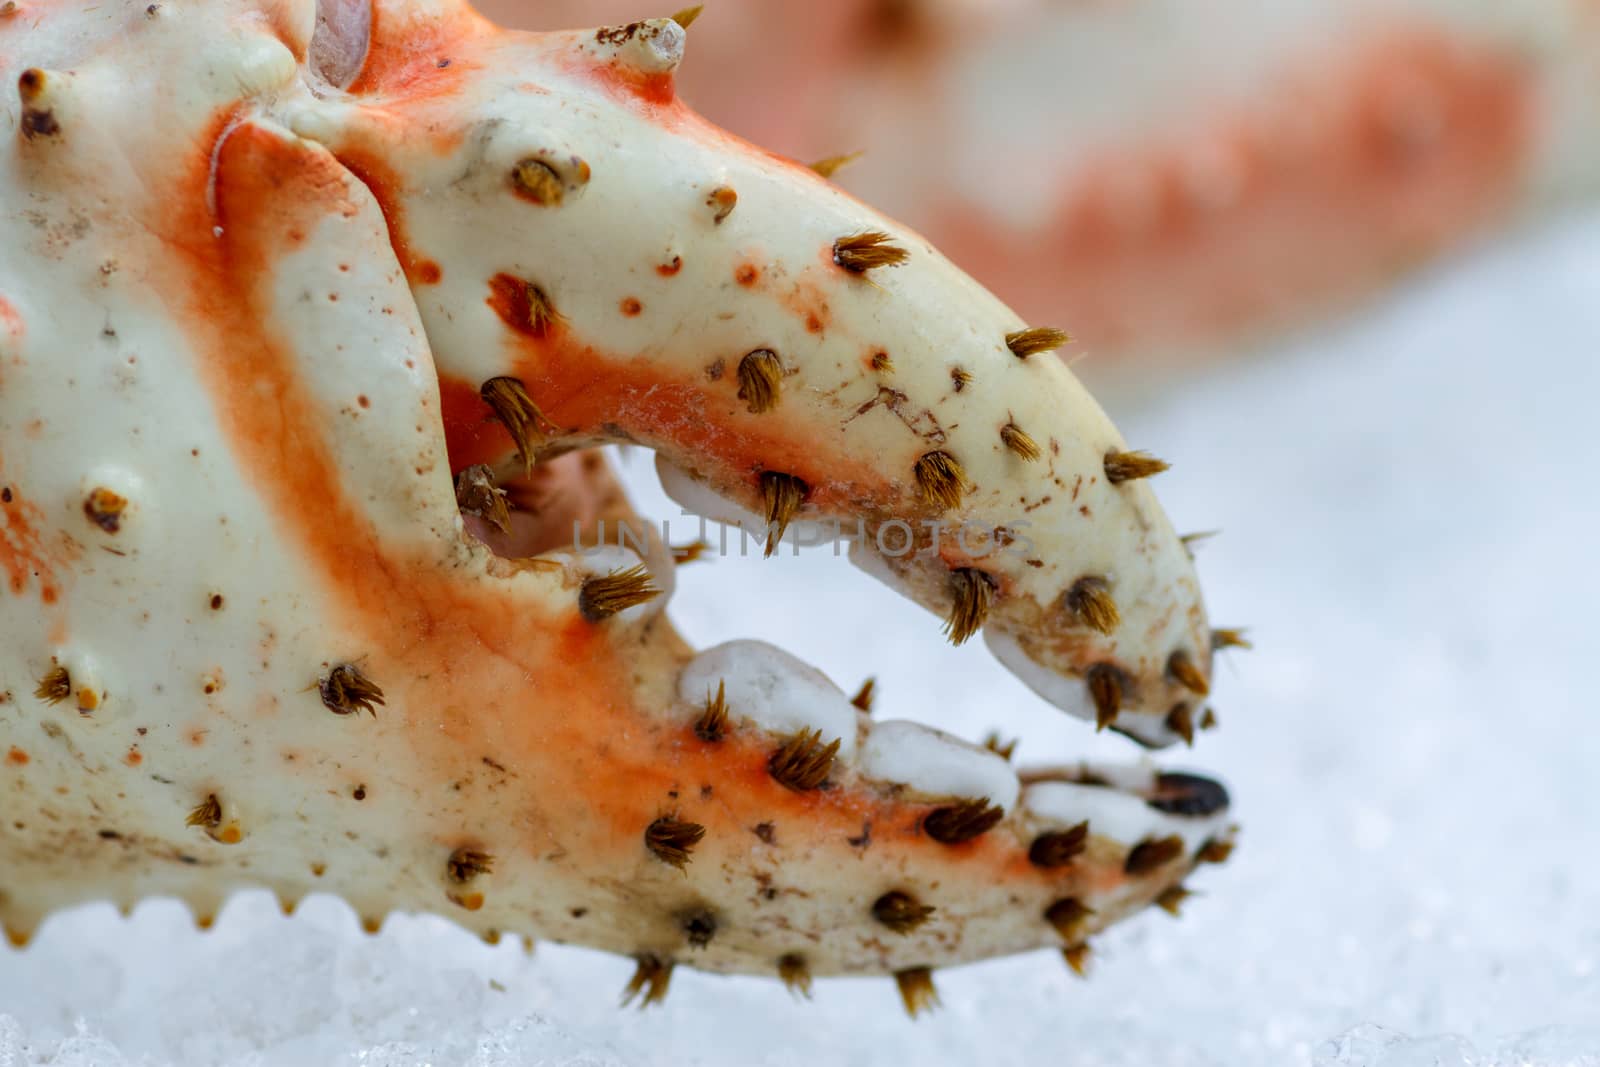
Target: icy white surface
[772, 689]
[1409, 514]
[932, 761]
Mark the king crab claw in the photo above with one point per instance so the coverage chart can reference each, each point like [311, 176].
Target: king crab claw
[308, 335]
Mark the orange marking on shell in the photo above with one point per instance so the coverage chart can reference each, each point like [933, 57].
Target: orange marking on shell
[630, 306]
[24, 556]
[16, 757]
[387, 188]
[423, 57]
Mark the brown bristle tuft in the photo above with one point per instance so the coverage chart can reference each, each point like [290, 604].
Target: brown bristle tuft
[345, 691]
[523, 420]
[957, 824]
[1208, 719]
[960, 378]
[1057, 848]
[863, 698]
[796, 975]
[833, 164]
[1077, 957]
[916, 990]
[1221, 639]
[901, 912]
[690, 553]
[783, 493]
[686, 17]
[1017, 440]
[672, 839]
[1180, 720]
[1182, 668]
[971, 590]
[55, 686]
[605, 595]
[999, 747]
[940, 479]
[207, 814]
[1152, 853]
[1090, 600]
[536, 180]
[1171, 900]
[651, 977]
[861, 252]
[712, 725]
[1069, 916]
[699, 926]
[465, 864]
[1195, 540]
[1215, 850]
[1025, 343]
[882, 363]
[802, 762]
[1105, 689]
[760, 380]
[1131, 466]
[479, 496]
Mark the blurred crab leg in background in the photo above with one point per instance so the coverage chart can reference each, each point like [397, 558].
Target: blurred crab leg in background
[299, 605]
[1167, 177]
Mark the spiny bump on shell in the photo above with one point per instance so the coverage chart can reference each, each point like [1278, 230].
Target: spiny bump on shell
[1025, 343]
[901, 912]
[916, 990]
[536, 180]
[863, 698]
[651, 977]
[689, 553]
[1153, 853]
[104, 508]
[783, 494]
[956, 824]
[686, 17]
[345, 690]
[1019, 443]
[861, 252]
[1230, 638]
[833, 164]
[796, 975]
[1057, 848]
[1105, 690]
[760, 380]
[1171, 900]
[882, 362]
[971, 591]
[1000, 747]
[722, 200]
[1180, 720]
[604, 595]
[1077, 957]
[1091, 602]
[207, 814]
[465, 864]
[699, 926]
[672, 839]
[1182, 668]
[802, 762]
[55, 686]
[1215, 850]
[479, 496]
[1069, 916]
[960, 378]
[712, 725]
[1208, 719]
[940, 479]
[1130, 466]
[508, 399]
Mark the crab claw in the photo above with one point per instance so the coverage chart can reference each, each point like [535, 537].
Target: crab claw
[318, 575]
